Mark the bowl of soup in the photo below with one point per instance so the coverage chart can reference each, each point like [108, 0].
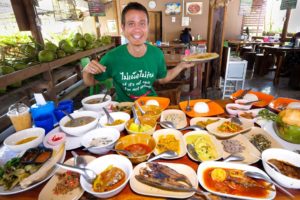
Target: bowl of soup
[120, 118]
[95, 102]
[113, 173]
[82, 123]
[25, 139]
[150, 111]
[140, 145]
[147, 126]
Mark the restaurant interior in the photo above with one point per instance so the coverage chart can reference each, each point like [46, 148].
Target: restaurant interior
[228, 127]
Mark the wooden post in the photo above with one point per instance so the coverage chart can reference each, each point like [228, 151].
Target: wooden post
[285, 25]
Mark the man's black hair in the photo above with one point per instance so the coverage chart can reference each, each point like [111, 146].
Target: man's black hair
[133, 6]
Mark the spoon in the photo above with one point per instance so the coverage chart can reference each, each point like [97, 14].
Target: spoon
[170, 124]
[236, 120]
[136, 118]
[78, 160]
[258, 175]
[88, 174]
[192, 151]
[267, 162]
[127, 153]
[193, 127]
[68, 114]
[140, 108]
[167, 124]
[110, 120]
[188, 107]
[166, 154]
[234, 157]
[106, 93]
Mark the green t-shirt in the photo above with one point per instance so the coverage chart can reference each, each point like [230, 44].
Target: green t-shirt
[133, 77]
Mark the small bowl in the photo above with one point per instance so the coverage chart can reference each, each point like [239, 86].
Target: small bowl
[12, 140]
[151, 111]
[110, 133]
[254, 113]
[99, 165]
[136, 139]
[144, 121]
[281, 155]
[116, 115]
[231, 111]
[79, 130]
[124, 107]
[242, 102]
[96, 106]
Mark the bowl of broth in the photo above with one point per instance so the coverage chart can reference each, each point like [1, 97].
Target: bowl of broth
[82, 123]
[25, 139]
[95, 102]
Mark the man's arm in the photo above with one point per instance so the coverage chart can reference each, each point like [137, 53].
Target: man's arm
[172, 73]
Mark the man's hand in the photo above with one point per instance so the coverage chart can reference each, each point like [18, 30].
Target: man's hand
[94, 68]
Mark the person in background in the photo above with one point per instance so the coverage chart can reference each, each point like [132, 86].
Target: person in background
[135, 66]
[186, 36]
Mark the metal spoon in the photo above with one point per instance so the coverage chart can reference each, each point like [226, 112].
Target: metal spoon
[234, 157]
[267, 162]
[140, 108]
[110, 120]
[258, 175]
[192, 151]
[127, 153]
[188, 107]
[88, 174]
[193, 127]
[135, 117]
[236, 120]
[78, 160]
[68, 114]
[167, 124]
[170, 124]
[166, 154]
[106, 93]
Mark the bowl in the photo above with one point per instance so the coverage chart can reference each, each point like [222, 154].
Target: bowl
[144, 121]
[150, 111]
[123, 107]
[116, 116]
[252, 117]
[99, 165]
[282, 155]
[110, 134]
[79, 130]
[234, 108]
[33, 136]
[137, 140]
[242, 102]
[95, 106]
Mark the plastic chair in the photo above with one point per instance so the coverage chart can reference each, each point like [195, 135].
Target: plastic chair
[235, 74]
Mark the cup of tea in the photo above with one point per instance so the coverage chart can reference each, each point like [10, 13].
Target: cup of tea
[20, 116]
[44, 121]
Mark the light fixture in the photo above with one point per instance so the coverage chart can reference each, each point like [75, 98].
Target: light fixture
[152, 4]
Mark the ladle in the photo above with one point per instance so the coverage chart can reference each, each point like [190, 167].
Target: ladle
[234, 157]
[258, 175]
[79, 161]
[135, 116]
[170, 124]
[88, 174]
[166, 154]
[68, 114]
[110, 120]
[140, 109]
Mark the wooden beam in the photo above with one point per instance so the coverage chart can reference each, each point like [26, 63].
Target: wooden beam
[20, 14]
[285, 25]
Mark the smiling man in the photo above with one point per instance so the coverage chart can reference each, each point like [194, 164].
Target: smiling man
[134, 67]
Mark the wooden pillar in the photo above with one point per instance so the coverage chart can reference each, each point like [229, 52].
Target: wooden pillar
[285, 25]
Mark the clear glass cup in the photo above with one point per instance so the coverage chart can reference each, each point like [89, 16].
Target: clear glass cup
[20, 116]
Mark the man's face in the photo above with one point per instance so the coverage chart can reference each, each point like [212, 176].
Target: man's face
[136, 27]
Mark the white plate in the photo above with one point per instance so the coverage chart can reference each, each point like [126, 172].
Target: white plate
[144, 189]
[254, 113]
[216, 143]
[178, 136]
[198, 119]
[256, 130]
[178, 118]
[250, 153]
[213, 128]
[6, 155]
[72, 142]
[210, 164]
[47, 191]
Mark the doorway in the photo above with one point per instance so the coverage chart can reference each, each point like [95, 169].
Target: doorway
[155, 26]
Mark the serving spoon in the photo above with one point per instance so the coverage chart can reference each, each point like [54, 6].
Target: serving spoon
[170, 124]
[165, 154]
[110, 120]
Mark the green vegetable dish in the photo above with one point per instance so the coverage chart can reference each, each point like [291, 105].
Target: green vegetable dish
[268, 115]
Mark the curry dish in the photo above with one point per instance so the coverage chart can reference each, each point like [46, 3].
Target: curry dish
[80, 121]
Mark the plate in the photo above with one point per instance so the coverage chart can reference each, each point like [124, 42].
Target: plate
[72, 142]
[250, 153]
[229, 165]
[177, 134]
[200, 57]
[256, 130]
[204, 119]
[214, 108]
[213, 128]
[144, 189]
[163, 102]
[281, 103]
[215, 143]
[176, 116]
[265, 98]
[6, 155]
[47, 194]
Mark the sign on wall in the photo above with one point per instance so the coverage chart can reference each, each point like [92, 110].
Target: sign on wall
[288, 4]
[96, 8]
[194, 8]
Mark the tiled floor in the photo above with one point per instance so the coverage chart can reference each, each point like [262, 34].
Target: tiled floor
[265, 84]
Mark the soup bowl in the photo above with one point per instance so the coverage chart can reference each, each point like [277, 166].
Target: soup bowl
[25, 139]
[92, 103]
[81, 128]
[99, 165]
[103, 139]
[117, 116]
[148, 126]
[140, 145]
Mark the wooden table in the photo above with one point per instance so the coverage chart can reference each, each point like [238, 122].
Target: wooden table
[279, 53]
[127, 193]
[239, 43]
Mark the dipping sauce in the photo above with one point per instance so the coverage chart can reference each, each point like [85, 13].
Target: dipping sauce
[23, 141]
[138, 149]
[80, 121]
[43, 157]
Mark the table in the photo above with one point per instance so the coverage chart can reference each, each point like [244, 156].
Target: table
[239, 43]
[127, 193]
[280, 53]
